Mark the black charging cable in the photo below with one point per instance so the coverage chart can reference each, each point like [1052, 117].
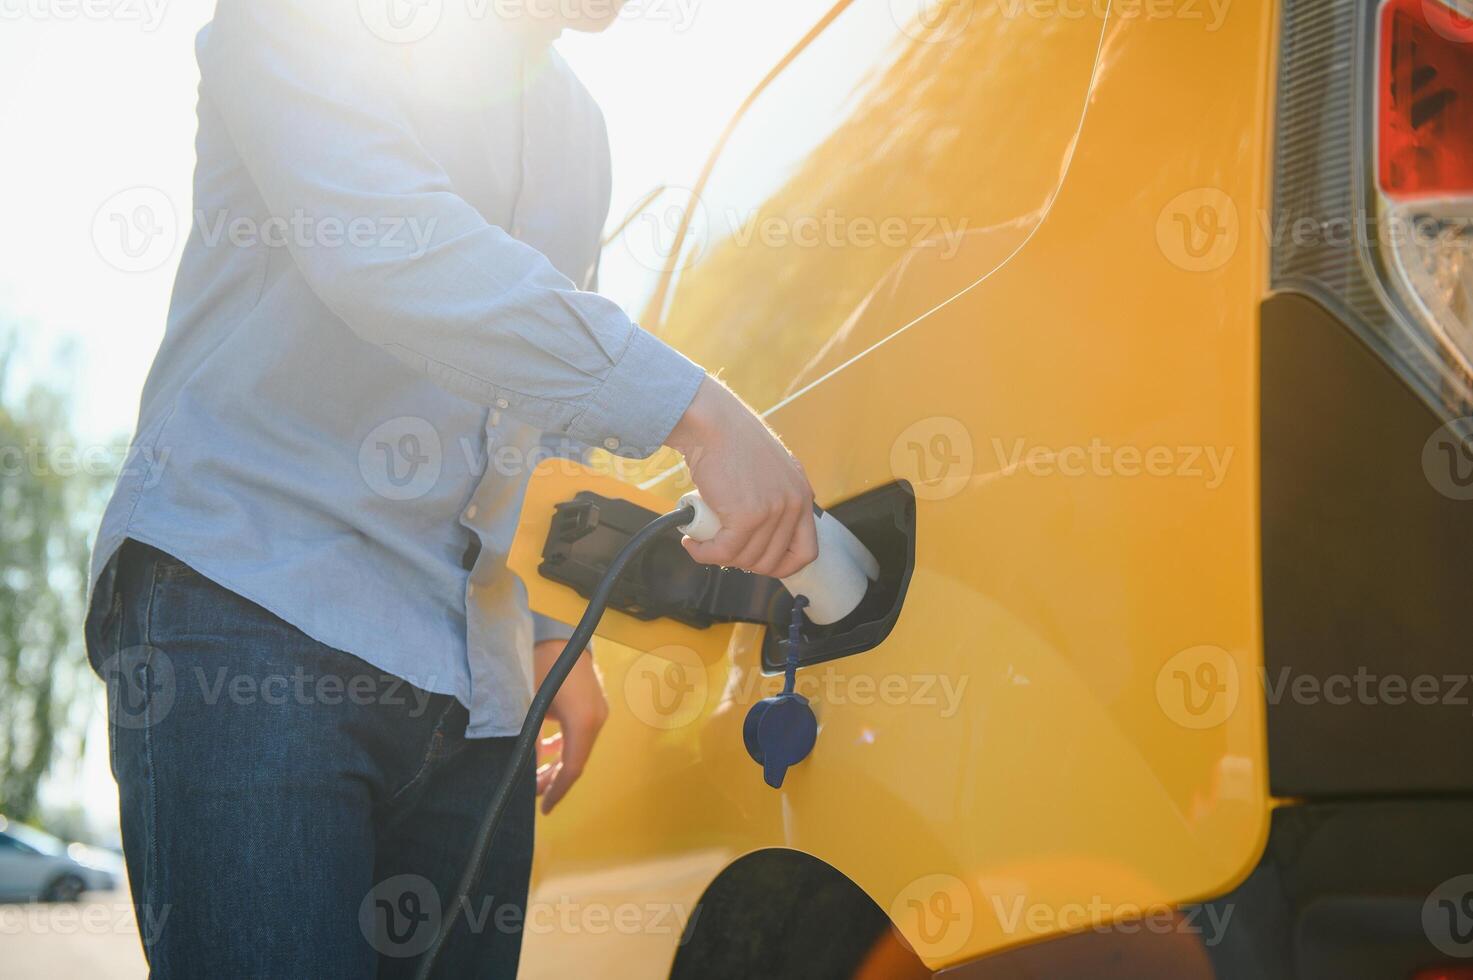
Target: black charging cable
[526, 746]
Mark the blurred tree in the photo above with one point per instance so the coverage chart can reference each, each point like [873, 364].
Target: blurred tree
[49, 493]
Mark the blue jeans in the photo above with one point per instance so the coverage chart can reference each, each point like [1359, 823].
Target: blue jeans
[287, 809]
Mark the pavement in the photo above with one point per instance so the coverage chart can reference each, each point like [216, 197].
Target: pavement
[96, 937]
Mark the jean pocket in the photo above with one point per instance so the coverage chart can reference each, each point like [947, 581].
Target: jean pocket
[170, 569]
[103, 650]
[104, 632]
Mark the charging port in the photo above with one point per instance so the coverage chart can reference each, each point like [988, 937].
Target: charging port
[589, 530]
[884, 519]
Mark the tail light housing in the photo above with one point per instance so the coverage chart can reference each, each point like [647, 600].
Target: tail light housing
[1375, 148]
[1424, 187]
[1424, 131]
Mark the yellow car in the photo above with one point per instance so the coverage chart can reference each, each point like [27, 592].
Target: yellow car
[1133, 337]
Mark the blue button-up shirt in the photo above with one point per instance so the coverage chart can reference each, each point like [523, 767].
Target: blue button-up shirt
[376, 325]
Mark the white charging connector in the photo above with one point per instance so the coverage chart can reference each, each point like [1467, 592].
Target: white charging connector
[835, 582]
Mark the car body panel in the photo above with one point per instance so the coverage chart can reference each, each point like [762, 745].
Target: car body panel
[1026, 754]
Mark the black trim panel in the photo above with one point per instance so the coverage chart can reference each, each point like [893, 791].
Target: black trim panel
[1367, 573]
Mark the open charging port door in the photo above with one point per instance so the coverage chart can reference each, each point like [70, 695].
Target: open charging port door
[884, 520]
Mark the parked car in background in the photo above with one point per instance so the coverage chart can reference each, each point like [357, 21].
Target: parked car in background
[36, 866]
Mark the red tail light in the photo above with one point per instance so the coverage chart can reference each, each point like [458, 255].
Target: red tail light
[1445, 973]
[1426, 100]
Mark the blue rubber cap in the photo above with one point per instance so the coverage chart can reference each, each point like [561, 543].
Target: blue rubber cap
[786, 731]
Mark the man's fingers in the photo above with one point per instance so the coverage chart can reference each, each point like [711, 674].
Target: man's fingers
[577, 745]
[760, 546]
[720, 550]
[780, 543]
[549, 747]
[757, 543]
[804, 546]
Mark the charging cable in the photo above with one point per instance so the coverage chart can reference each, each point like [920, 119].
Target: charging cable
[526, 744]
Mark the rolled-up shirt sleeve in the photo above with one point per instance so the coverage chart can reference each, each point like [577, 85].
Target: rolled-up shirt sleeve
[313, 102]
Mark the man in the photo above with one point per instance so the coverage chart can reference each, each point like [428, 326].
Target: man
[300, 595]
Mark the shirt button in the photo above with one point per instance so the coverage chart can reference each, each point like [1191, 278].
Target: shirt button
[470, 512]
[611, 444]
[502, 403]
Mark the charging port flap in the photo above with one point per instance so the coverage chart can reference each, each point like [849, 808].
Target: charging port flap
[884, 520]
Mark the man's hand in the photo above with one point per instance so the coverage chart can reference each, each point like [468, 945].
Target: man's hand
[751, 481]
[580, 710]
